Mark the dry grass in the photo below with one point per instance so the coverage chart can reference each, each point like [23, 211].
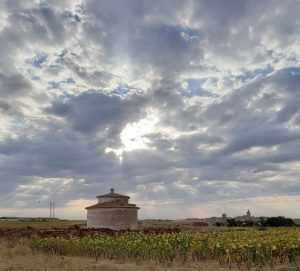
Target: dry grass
[15, 255]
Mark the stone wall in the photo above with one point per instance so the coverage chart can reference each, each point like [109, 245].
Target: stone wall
[112, 218]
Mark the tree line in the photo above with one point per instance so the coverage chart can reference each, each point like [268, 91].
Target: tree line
[279, 221]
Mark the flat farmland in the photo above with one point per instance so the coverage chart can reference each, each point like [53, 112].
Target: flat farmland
[17, 224]
[65, 245]
[19, 256]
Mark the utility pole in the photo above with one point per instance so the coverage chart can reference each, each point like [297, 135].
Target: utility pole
[50, 209]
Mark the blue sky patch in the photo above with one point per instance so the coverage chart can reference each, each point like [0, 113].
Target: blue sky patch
[248, 75]
[70, 81]
[177, 30]
[74, 17]
[38, 60]
[293, 70]
[54, 85]
[195, 88]
[121, 90]
[35, 78]
[190, 32]
[62, 54]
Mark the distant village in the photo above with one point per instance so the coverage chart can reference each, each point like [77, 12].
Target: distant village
[246, 220]
[223, 219]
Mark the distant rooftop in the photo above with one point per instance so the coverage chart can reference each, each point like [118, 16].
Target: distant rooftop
[112, 194]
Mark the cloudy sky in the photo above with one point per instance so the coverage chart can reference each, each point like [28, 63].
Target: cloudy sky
[190, 107]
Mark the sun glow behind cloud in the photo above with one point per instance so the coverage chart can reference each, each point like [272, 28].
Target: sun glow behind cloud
[134, 135]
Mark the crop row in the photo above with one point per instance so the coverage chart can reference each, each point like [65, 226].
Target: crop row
[249, 248]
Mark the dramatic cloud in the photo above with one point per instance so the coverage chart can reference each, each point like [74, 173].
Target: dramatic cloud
[183, 103]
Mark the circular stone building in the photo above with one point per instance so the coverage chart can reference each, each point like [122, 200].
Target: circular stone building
[113, 212]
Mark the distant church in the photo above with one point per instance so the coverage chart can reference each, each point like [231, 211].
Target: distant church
[246, 217]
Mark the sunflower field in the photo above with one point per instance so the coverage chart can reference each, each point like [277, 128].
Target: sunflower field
[251, 248]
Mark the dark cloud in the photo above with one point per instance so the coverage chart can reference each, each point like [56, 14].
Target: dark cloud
[13, 85]
[90, 112]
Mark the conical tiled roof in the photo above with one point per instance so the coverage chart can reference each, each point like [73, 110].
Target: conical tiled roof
[113, 204]
[112, 194]
[113, 200]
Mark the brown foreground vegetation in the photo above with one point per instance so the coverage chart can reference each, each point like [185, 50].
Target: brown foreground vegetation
[40, 224]
[72, 231]
[16, 255]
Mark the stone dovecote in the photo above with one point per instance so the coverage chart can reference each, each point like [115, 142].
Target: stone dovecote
[113, 212]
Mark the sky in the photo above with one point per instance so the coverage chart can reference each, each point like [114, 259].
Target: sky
[192, 108]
